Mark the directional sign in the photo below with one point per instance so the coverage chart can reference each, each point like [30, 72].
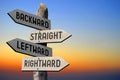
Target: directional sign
[29, 48]
[47, 36]
[43, 64]
[30, 20]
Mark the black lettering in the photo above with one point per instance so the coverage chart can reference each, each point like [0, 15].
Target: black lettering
[34, 49]
[18, 45]
[42, 23]
[53, 63]
[47, 35]
[46, 52]
[55, 35]
[30, 19]
[34, 20]
[17, 15]
[58, 63]
[22, 45]
[30, 47]
[42, 50]
[35, 35]
[44, 36]
[38, 22]
[46, 24]
[22, 17]
[39, 35]
[39, 50]
[60, 34]
[39, 62]
[35, 63]
[26, 46]
[43, 63]
[48, 63]
[26, 18]
[31, 63]
[28, 61]
[50, 35]
[25, 63]
[32, 37]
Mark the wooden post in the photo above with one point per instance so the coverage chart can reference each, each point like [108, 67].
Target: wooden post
[42, 12]
[40, 75]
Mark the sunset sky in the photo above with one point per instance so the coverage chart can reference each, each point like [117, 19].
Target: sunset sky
[93, 48]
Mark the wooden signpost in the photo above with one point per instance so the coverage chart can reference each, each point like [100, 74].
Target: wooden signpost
[37, 46]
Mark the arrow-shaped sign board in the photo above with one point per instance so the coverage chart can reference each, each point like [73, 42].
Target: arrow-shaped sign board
[30, 20]
[29, 48]
[49, 36]
[43, 64]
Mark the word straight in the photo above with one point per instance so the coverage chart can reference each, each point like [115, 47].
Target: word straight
[38, 36]
[46, 35]
[30, 20]
[29, 48]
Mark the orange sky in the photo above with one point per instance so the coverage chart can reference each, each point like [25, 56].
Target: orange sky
[82, 59]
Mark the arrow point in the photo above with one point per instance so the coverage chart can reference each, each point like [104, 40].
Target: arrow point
[10, 44]
[64, 64]
[67, 36]
[11, 15]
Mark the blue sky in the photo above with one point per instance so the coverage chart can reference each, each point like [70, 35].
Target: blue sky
[83, 16]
